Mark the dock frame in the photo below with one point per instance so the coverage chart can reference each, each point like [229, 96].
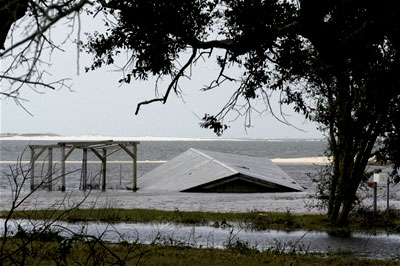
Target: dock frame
[99, 148]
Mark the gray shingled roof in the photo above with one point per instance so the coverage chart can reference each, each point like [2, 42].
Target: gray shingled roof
[195, 168]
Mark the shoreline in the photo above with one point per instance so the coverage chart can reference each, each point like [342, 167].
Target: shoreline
[294, 202]
[39, 137]
[317, 160]
[159, 200]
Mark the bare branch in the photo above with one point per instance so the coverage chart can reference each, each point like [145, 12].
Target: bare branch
[216, 83]
[40, 30]
[26, 82]
[172, 85]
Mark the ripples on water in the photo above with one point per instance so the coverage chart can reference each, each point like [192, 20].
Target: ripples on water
[119, 174]
[165, 150]
[360, 245]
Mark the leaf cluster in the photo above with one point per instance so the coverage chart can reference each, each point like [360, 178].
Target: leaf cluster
[336, 62]
[154, 32]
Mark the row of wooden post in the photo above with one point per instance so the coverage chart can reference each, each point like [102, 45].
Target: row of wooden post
[64, 156]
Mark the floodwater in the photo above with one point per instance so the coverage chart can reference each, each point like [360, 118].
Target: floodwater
[359, 245]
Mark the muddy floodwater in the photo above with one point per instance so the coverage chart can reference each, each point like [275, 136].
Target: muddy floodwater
[300, 159]
[360, 245]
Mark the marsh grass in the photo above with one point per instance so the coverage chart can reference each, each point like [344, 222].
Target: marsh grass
[377, 221]
[55, 252]
[287, 221]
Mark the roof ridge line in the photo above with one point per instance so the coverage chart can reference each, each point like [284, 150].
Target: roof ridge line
[215, 160]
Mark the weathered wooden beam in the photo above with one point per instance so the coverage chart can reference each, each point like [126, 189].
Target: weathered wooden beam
[66, 150]
[50, 170]
[32, 166]
[110, 147]
[133, 155]
[85, 144]
[134, 170]
[44, 146]
[39, 153]
[69, 152]
[98, 155]
[116, 144]
[84, 170]
[63, 157]
[126, 142]
[104, 170]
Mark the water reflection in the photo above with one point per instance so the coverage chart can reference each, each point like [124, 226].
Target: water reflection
[360, 245]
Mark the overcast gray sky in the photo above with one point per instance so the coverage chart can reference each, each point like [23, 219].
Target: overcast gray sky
[98, 105]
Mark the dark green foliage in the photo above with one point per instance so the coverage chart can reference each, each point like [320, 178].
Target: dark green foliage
[336, 61]
[155, 32]
[38, 234]
[211, 122]
[10, 11]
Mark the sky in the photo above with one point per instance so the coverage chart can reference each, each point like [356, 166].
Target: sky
[97, 104]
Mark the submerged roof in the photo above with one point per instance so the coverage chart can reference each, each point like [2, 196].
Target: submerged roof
[200, 171]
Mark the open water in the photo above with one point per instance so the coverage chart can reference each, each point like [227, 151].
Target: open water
[165, 150]
[372, 245]
[150, 155]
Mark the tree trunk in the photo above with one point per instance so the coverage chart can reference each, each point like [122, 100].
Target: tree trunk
[342, 134]
[343, 218]
[333, 150]
[350, 194]
[344, 176]
[332, 189]
[360, 163]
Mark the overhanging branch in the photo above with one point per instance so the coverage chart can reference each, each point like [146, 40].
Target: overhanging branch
[40, 31]
[172, 85]
[25, 81]
[226, 44]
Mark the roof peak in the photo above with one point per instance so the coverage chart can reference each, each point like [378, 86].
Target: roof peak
[201, 152]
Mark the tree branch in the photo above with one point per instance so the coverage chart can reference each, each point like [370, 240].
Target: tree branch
[27, 82]
[226, 44]
[172, 85]
[40, 31]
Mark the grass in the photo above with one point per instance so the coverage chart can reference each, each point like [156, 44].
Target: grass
[52, 249]
[96, 253]
[360, 222]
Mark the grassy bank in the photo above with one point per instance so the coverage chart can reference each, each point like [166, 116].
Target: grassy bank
[49, 248]
[360, 222]
[59, 252]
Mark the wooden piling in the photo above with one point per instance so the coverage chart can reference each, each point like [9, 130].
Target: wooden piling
[84, 170]
[134, 170]
[104, 170]
[120, 175]
[32, 166]
[68, 147]
[50, 170]
[63, 167]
